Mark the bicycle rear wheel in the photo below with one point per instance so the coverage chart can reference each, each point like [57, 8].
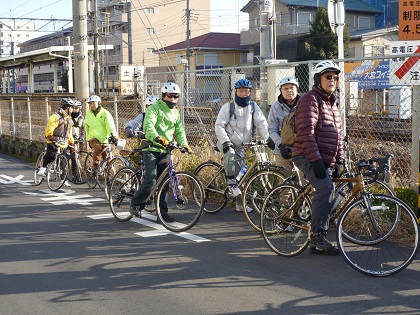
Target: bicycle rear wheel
[259, 185]
[285, 221]
[90, 172]
[76, 173]
[113, 167]
[57, 172]
[213, 178]
[122, 189]
[39, 161]
[381, 242]
[185, 201]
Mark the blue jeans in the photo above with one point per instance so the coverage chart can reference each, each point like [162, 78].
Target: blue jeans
[154, 164]
[323, 195]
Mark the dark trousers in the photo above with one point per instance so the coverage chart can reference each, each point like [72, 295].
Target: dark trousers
[50, 154]
[154, 164]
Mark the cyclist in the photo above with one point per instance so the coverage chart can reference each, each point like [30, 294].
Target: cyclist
[58, 132]
[161, 123]
[285, 103]
[234, 126]
[319, 146]
[135, 125]
[100, 129]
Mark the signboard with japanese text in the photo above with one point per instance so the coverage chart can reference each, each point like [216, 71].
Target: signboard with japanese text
[129, 77]
[405, 70]
[369, 74]
[409, 20]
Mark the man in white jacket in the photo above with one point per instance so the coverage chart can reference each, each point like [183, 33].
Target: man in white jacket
[234, 127]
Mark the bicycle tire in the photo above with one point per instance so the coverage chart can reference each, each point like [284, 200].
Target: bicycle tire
[122, 189]
[39, 161]
[286, 231]
[258, 186]
[77, 174]
[57, 172]
[213, 178]
[185, 201]
[90, 173]
[101, 173]
[387, 251]
[114, 166]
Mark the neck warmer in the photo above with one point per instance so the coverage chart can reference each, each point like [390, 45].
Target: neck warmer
[242, 101]
[170, 104]
[75, 115]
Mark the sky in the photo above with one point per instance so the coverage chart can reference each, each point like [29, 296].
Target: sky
[225, 15]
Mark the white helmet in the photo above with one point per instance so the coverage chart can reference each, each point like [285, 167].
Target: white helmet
[94, 98]
[324, 66]
[151, 99]
[288, 80]
[171, 88]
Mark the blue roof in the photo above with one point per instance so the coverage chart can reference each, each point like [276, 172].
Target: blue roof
[349, 5]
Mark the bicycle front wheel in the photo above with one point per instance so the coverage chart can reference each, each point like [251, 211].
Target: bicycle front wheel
[213, 178]
[38, 179]
[184, 195]
[122, 189]
[259, 185]
[57, 172]
[285, 221]
[76, 173]
[113, 167]
[90, 172]
[378, 235]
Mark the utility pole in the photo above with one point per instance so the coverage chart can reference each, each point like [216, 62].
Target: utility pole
[187, 65]
[129, 35]
[95, 46]
[266, 8]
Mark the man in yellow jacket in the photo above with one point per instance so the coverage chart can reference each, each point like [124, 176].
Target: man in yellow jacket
[100, 128]
[58, 133]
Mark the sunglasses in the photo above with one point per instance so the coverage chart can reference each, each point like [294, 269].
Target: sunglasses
[172, 95]
[330, 76]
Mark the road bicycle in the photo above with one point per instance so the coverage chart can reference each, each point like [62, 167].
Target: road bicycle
[183, 191]
[377, 234]
[260, 178]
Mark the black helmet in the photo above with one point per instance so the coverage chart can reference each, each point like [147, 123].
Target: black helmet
[67, 102]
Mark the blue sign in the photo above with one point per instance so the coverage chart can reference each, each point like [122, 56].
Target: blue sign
[371, 75]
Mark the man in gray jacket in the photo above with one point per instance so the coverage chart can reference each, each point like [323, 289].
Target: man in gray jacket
[233, 128]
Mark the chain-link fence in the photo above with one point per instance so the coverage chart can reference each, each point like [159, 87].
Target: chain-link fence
[378, 111]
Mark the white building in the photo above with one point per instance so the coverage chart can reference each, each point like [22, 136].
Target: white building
[12, 33]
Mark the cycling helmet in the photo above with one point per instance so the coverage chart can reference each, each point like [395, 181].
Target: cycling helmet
[171, 88]
[243, 83]
[94, 98]
[288, 80]
[324, 66]
[77, 103]
[67, 102]
[151, 99]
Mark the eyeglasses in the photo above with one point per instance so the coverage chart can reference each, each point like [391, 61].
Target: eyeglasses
[172, 95]
[243, 91]
[330, 76]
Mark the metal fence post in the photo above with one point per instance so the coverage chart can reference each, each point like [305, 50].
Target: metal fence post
[29, 119]
[46, 108]
[12, 110]
[116, 113]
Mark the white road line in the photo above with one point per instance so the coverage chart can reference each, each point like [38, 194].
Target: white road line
[15, 180]
[64, 196]
[159, 230]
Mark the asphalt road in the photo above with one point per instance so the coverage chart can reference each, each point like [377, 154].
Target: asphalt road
[63, 253]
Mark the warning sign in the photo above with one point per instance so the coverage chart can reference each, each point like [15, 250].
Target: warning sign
[405, 70]
[409, 20]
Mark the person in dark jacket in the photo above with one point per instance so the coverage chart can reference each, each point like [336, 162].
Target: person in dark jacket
[318, 147]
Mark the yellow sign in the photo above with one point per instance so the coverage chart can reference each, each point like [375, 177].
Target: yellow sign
[409, 20]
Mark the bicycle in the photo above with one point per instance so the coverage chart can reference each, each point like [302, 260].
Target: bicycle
[377, 234]
[185, 197]
[260, 178]
[77, 174]
[57, 170]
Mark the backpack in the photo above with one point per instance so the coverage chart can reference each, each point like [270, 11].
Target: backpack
[287, 131]
[135, 127]
[232, 113]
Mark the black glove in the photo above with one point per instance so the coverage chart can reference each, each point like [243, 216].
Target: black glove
[286, 152]
[338, 170]
[112, 139]
[320, 170]
[226, 146]
[270, 143]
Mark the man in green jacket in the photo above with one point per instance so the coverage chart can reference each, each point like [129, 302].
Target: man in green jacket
[162, 121]
[100, 128]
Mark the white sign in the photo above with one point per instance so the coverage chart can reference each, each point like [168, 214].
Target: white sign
[405, 70]
[129, 76]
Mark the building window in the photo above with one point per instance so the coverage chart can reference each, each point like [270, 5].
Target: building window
[257, 21]
[303, 18]
[150, 50]
[373, 51]
[351, 52]
[150, 30]
[150, 10]
[363, 23]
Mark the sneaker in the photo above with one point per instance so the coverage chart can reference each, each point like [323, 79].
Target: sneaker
[41, 171]
[166, 217]
[135, 211]
[239, 208]
[66, 183]
[320, 245]
[234, 190]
